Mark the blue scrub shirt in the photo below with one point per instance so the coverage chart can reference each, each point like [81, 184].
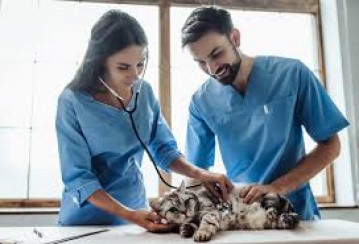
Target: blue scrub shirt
[98, 150]
[260, 134]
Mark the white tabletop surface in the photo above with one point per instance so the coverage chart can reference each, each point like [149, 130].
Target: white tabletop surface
[313, 232]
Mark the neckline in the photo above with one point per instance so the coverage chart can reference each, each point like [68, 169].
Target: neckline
[129, 106]
[250, 81]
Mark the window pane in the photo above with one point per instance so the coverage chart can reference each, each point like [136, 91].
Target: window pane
[43, 43]
[291, 35]
[16, 87]
[45, 165]
[14, 163]
[51, 77]
[18, 31]
[318, 183]
[60, 31]
[150, 177]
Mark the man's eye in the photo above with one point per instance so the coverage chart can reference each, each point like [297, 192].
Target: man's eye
[122, 67]
[140, 64]
[216, 55]
[202, 63]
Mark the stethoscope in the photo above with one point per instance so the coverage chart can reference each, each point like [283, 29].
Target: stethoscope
[130, 113]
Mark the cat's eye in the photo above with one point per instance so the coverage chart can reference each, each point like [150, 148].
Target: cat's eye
[173, 210]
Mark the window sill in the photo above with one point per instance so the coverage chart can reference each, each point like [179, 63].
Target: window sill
[4, 211]
[335, 206]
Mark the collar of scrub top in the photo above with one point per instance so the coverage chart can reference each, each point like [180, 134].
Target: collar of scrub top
[115, 94]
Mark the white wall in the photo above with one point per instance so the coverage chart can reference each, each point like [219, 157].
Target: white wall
[340, 32]
[349, 39]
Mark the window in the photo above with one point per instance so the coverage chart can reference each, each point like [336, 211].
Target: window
[40, 52]
[43, 42]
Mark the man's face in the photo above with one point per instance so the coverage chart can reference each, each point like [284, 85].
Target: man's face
[217, 56]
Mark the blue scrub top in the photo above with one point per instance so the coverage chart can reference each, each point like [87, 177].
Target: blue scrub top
[260, 134]
[98, 150]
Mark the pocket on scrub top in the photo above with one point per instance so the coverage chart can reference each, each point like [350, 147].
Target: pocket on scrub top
[278, 116]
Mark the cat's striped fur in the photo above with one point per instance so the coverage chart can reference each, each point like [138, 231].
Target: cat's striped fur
[201, 215]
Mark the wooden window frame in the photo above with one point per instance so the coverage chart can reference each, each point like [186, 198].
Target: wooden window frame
[288, 6]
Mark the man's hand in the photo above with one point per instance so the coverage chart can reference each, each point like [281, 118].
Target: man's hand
[252, 193]
[217, 184]
[150, 221]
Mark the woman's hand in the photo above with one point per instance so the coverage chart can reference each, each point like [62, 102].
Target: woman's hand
[150, 221]
[218, 184]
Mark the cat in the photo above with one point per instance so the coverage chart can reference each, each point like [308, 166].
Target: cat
[201, 215]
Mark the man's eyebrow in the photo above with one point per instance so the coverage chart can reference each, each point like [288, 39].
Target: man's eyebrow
[213, 51]
[210, 54]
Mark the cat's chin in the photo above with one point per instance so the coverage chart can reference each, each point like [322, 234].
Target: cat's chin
[179, 220]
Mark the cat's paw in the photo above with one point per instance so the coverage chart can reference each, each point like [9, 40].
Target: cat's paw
[202, 236]
[271, 218]
[188, 229]
[288, 221]
[271, 214]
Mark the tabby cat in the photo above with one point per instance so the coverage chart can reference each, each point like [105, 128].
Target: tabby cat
[201, 215]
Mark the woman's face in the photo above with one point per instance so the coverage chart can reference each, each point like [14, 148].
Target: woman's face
[123, 68]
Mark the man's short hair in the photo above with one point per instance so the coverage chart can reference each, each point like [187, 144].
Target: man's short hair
[203, 20]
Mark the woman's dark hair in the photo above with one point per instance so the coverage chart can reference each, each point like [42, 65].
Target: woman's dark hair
[203, 20]
[113, 32]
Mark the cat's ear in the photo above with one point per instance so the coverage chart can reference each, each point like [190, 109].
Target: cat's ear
[182, 187]
[155, 205]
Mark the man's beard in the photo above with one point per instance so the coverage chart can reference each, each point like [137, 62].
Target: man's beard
[230, 71]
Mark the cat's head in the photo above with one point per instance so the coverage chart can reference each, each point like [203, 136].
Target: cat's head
[178, 206]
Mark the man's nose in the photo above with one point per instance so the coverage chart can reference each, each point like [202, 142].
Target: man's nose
[212, 68]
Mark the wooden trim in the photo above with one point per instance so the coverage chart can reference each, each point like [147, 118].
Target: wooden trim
[321, 63]
[165, 76]
[330, 197]
[302, 6]
[29, 203]
[330, 184]
[139, 2]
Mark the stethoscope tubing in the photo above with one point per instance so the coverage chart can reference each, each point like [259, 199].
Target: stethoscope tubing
[130, 113]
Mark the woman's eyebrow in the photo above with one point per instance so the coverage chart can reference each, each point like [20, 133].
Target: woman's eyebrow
[126, 64]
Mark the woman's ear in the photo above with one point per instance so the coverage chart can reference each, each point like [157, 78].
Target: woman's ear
[235, 37]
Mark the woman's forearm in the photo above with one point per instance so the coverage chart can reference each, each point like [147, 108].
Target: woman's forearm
[104, 201]
[181, 166]
[144, 218]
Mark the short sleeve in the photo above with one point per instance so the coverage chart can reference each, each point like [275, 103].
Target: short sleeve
[200, 140]
[315, 109]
